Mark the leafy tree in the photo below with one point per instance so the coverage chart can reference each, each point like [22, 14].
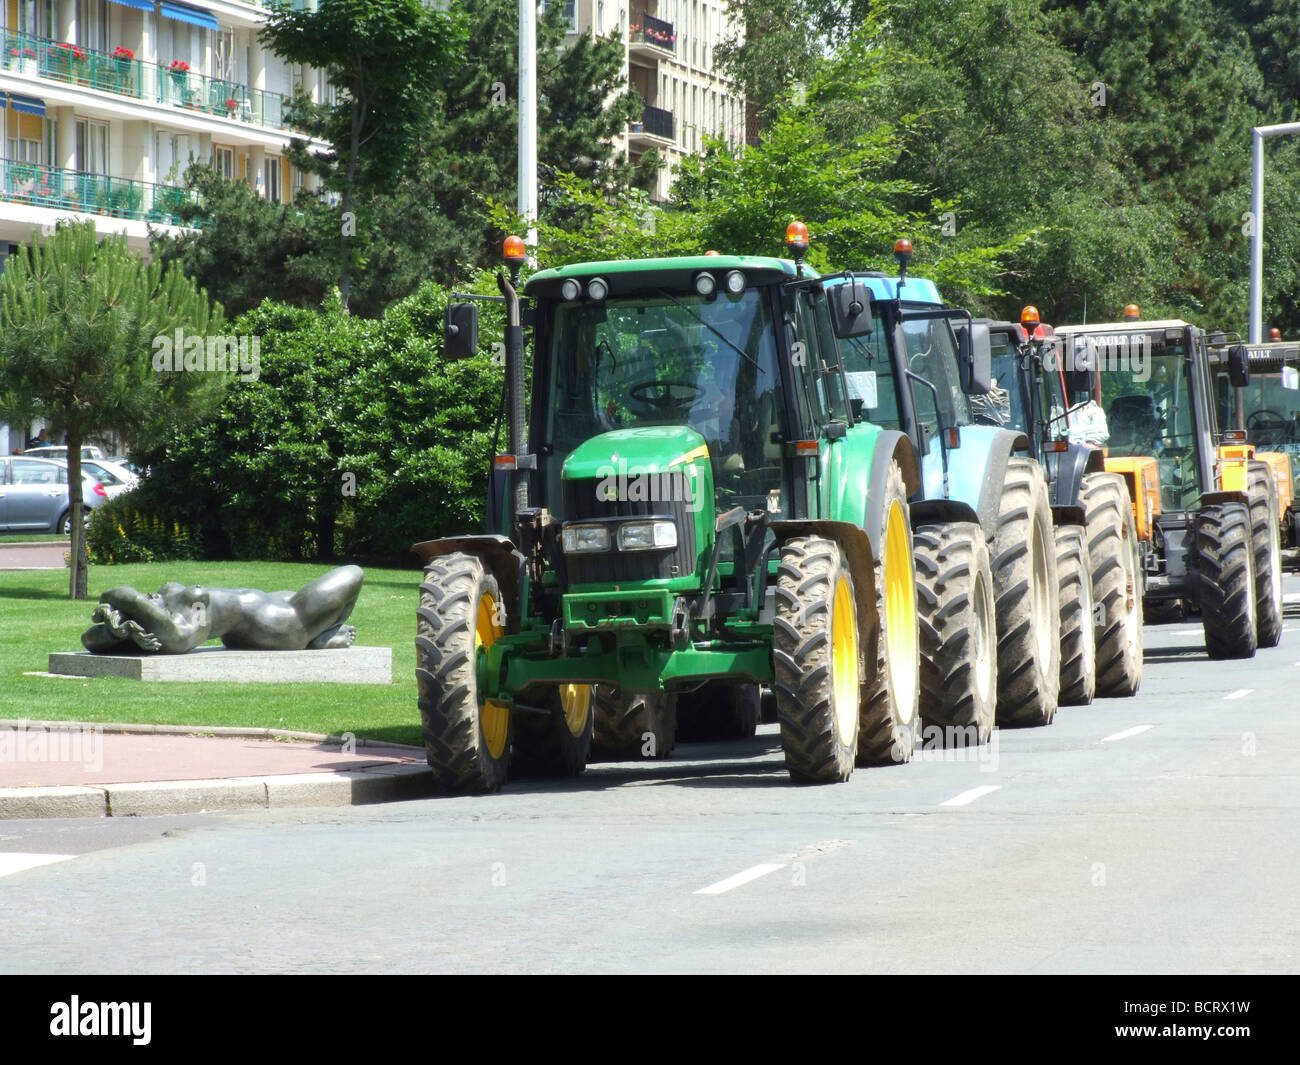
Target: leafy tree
[78, 322]
[386, 58]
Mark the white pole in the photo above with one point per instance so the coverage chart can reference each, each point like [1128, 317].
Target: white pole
[1257, 223]
[528, 118]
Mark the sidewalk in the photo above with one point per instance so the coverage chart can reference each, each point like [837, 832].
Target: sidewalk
[72, 769]
[46, 554]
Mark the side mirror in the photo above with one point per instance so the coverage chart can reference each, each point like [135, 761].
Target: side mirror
[1081, 370]
[975, 358]
[460, 336]
[850, 309]
[1238, 366]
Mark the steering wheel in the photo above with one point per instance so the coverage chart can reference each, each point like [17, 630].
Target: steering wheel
[664, 396]
[1273, 423]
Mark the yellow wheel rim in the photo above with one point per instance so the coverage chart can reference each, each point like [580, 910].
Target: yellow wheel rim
[494, 717]
[900, 614]
[844, 660]
[575, 701]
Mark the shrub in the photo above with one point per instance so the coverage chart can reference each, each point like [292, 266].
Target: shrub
[122, 531]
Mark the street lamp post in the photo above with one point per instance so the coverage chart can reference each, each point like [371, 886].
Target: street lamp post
[1257, 223]
[528, 118]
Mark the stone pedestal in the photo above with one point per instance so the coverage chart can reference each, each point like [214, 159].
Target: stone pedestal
[352, 665]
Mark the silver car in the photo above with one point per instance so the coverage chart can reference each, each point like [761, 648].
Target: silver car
[34, 495]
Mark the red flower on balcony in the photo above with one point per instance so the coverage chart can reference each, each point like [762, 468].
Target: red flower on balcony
[73, 51]
[232, 105]
[122, 52]
[179, 66]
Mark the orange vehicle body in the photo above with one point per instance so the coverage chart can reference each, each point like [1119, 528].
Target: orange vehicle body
[1143, 480]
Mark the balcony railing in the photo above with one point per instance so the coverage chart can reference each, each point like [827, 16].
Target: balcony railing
[73, 190]
[646, 29]
[656, 122]
[134, 78]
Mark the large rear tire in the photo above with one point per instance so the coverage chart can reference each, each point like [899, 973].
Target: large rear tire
[1078, 636]
[1265, 533]
[816, 659]
[1116, 583]
[557, 743]
[890, 717]
[1028, 599]
[629, 727]
[959, 652]
[1225, 580]
[719, 710]
[466, 737]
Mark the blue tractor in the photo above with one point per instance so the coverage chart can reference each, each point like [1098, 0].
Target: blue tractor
[985, 549]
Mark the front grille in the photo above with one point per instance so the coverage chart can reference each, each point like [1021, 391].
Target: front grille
[669, 502]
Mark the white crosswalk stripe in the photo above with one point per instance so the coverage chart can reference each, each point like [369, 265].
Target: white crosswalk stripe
[20, 863]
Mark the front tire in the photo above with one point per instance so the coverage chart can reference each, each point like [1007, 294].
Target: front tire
[959, 652]
[1028, 599]
[1078, 636]
[1265, 533]
[466, 737]
[1116, 583]
[890, 708]
[1225, 580]
[816, 660]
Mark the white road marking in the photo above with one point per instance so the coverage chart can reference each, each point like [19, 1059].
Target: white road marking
[967, 797]
[1125, 734]
[17, 863]
[745, 877]
[1240, 693]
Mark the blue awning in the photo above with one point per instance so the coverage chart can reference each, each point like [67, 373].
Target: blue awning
[192, 15]
[139, 5]
[28, 105]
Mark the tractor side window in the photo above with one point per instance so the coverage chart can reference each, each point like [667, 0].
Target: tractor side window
[932, 355]
[872, 388]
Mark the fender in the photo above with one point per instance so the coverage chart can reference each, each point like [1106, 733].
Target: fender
[1212, 499]
[941, 512]
[856, 546]
[1071, 467]
[498, 553]
[891, 446]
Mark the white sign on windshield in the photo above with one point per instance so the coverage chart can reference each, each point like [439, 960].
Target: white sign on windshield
[1290, 377]
[862, 385]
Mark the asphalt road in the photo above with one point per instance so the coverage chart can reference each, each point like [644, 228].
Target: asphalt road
[1147, 835]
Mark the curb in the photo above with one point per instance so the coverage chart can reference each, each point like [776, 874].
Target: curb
[379, 784]
[235, 732]
[391, 783]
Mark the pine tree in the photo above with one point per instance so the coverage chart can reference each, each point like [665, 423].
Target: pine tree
[78, 322]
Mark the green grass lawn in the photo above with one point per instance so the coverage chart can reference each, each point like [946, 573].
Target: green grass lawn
[31, 538]
[36, 617]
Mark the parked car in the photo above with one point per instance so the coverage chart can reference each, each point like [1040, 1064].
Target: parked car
[60, 451]
[34, 495]
[115, 477]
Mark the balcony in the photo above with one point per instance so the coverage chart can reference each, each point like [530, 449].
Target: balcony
[72, 190]
[651, 37]
[138, 80]
[656, 128]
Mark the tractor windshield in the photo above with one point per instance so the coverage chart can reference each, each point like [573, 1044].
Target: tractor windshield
[929, 352]
[1270, 404]
[1146, 394]
[686, 360]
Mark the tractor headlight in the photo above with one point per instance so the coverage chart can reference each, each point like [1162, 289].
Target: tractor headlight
[580, 538]
[646, 535]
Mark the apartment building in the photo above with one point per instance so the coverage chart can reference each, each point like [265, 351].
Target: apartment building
[670, 60]
[105, 102]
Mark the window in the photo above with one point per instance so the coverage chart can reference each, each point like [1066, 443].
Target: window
[32, 471]
[92, 24]
[223, 161]
[571, 16]
[223, 55]
[297, 179]
[92, 147]
[25, 151]
[271, 179]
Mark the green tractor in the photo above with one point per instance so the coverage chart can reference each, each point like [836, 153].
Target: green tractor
[688, 509]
